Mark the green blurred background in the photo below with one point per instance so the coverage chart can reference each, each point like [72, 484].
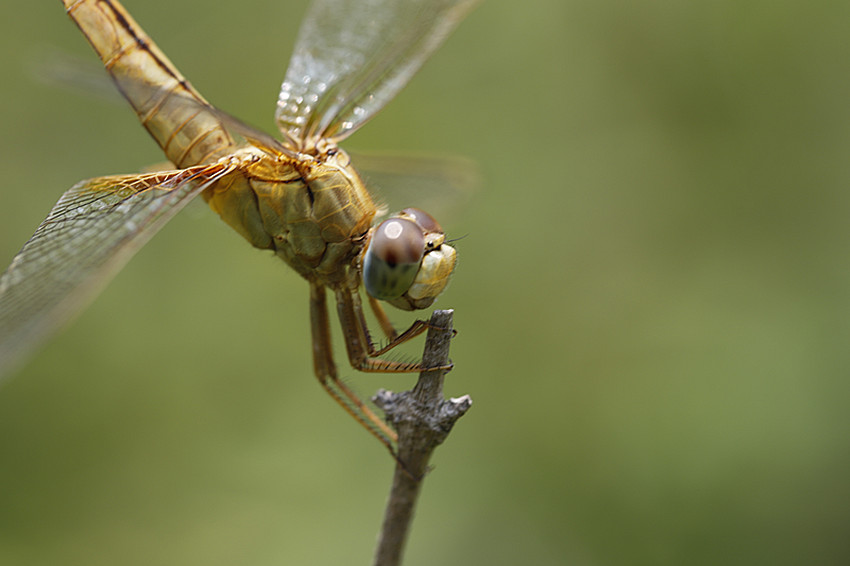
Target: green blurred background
[652, 304]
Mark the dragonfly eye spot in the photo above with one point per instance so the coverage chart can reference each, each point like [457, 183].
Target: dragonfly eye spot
[393, 229]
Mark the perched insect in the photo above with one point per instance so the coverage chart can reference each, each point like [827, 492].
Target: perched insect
[300, 197]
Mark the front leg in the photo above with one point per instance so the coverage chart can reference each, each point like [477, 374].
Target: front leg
[362, 352]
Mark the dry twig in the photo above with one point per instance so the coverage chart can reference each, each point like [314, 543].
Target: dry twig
[423, 419]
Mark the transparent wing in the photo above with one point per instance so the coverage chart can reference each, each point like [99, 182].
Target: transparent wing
[443, 185]
[352, 57]
[85, 240]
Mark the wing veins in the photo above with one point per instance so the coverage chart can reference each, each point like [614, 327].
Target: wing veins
[92, 231]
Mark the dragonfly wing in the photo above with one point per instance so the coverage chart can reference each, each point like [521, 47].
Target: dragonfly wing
[444, 185]
[351, 58]
[89, 235]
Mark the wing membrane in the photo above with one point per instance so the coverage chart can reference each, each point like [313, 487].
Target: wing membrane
[89, 235]
[351, 58]
[443, 185]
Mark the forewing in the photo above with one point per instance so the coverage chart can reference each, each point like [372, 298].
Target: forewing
[352, 57]
[88, 236]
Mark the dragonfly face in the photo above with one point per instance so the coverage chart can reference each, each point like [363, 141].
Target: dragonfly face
[301, 198]
[408, 263]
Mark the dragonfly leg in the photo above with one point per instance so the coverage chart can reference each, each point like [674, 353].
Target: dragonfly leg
[325, 370]
[383, 320]
[393, 337]
[362, 352]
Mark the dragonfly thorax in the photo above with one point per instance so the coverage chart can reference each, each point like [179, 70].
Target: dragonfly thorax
[313, 212]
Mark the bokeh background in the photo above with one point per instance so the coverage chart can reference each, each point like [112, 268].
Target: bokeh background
[653, 301]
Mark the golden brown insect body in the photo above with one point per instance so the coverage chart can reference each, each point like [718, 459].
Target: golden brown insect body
[312, 210]
[301, 198]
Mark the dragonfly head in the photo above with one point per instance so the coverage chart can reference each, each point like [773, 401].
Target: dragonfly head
[407, 262]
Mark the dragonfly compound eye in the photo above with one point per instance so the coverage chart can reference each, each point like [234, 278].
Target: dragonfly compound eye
[425, 220]
[392, 259]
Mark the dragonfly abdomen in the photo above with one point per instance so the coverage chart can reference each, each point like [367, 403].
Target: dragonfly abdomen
[174, 113]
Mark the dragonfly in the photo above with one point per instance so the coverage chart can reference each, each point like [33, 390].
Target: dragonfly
[299, 196]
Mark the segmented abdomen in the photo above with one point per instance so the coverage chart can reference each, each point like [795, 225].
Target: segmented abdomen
[174, 113]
